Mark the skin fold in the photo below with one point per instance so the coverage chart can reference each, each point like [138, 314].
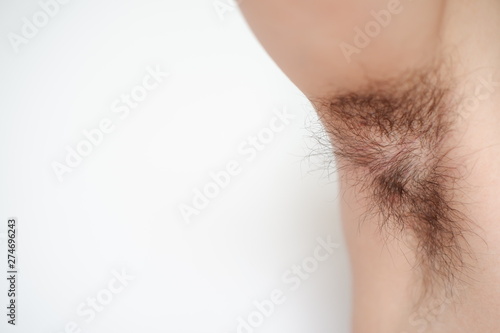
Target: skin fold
[408, 92]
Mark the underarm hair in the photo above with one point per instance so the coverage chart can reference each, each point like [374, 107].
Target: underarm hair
[391, 138]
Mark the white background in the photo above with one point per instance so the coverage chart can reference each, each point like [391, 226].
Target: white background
[119, 209]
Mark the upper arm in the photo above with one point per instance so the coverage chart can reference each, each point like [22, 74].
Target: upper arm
[325, 45]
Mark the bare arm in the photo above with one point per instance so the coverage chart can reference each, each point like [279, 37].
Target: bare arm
[388, 79]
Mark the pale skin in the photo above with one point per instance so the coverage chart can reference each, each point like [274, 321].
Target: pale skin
[304, 38]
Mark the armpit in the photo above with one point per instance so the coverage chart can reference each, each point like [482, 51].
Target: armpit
[392, 140]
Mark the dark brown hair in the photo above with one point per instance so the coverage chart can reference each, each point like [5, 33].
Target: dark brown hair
[391, 138]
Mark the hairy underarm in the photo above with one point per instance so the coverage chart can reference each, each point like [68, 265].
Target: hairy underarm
[392, 142]
[418, 162]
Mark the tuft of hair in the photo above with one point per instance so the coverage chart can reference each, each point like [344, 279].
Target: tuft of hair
[391, 138]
